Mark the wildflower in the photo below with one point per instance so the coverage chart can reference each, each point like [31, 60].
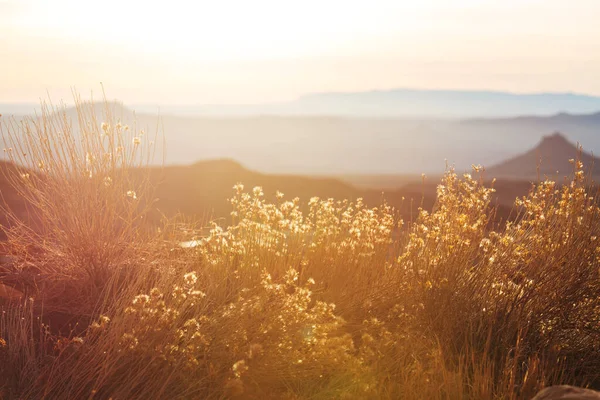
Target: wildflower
[77, 340]
[239, 368]
[190, 278]
[485, 243]
[107, 181]
[105, 127]
[129, 341]
[95, 325]
[291, 276]
[258, 192]
[198, 293]
[141, 299]
[136, 141]
[132, 194]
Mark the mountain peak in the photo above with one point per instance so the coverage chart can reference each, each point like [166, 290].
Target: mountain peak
[549, 158]
[555, 141]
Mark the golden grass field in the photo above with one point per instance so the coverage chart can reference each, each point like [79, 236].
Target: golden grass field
[287, 300]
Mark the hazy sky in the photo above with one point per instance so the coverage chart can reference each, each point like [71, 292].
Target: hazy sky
[252, 51]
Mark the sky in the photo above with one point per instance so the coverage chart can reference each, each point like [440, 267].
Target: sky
[180, 52]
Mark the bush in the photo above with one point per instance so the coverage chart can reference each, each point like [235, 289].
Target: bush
[75, 174]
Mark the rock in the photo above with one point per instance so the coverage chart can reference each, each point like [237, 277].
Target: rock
[565, 392]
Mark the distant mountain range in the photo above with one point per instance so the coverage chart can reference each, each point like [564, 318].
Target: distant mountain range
[396, 103]
[406, 103]
[444, 103]
[338, 146]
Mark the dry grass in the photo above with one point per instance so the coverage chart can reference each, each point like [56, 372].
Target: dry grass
[342, 301]
[86, 210]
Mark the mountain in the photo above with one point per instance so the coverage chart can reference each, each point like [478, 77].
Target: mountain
[402, 103]
[560, 119]
[550, 158]
[445, 103]
[394, 103]
[347, 147]
[18, 108]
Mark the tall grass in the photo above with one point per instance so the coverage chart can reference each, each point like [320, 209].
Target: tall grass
[74, 173]
[342, 301]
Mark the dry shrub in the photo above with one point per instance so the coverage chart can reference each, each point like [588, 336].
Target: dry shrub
[521, 301]
[74, 172]
[273, 341]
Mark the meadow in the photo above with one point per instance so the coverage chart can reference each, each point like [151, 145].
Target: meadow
[288, 299]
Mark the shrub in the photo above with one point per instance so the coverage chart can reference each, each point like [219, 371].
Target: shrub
[75, 174]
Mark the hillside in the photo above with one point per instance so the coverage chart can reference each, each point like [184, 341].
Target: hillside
[550, 158]
[202, 189]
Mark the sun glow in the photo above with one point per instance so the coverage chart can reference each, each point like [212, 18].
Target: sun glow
[220, 30]
[240, 51]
